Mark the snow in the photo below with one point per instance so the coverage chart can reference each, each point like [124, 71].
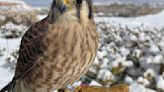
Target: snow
[6, 74]
[160, 83]
[10, 44]
[41, 16]
[149, 73]
[95, 83]
[147, 32]
[105, 75]
[129, 80]
[101, 54]
[143, 81]
[148, 21]
[154, 49]
[158, 59]
[8, 29]
[135, 87]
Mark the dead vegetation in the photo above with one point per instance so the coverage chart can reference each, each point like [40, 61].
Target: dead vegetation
[7, 4]
[9, 13]
[123, 10]
[116, 88]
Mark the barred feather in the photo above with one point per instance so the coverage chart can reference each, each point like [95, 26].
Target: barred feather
[56, 53]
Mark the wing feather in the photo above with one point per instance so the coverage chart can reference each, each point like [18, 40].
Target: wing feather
[31, 48]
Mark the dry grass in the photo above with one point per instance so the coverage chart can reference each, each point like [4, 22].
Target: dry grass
[126, 10]
[117, 88]
[7, 4]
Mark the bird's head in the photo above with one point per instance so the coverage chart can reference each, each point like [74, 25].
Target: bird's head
[82, 9]
[70, 4]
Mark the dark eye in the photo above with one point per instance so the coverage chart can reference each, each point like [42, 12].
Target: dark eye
[79, 1]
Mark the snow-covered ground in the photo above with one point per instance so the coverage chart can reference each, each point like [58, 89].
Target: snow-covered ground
[148, 21]
[146, 34]
[142, 38]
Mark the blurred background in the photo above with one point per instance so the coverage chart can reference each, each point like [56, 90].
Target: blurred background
[131, 48]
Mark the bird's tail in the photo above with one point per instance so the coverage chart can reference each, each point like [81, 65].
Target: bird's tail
[9, 87]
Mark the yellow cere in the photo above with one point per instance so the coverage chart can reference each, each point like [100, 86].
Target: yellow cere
[69, 3]
[66, 2]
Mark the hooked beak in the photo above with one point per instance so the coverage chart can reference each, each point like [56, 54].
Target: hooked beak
[57, 9]
[62, 8]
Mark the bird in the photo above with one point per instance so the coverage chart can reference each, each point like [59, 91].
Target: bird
[57, 50]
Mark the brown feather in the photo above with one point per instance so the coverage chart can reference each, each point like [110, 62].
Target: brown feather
[51, 56]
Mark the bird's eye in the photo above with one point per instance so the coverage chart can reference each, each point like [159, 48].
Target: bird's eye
[79, 1]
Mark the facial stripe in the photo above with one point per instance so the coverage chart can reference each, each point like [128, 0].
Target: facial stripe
[78, 7]
[90, 5]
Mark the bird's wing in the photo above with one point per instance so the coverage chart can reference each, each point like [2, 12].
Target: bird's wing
[31, 48]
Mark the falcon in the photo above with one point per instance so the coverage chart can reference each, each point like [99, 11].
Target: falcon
[57, 50]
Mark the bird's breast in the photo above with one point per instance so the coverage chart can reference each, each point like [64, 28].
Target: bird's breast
[70, 50]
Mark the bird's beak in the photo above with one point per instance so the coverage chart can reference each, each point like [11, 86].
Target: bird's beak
[57, 9]
[63, 7]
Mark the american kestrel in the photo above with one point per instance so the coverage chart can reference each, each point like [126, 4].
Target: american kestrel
[57, 50]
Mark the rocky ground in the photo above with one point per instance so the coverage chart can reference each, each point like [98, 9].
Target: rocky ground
[131, 50]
